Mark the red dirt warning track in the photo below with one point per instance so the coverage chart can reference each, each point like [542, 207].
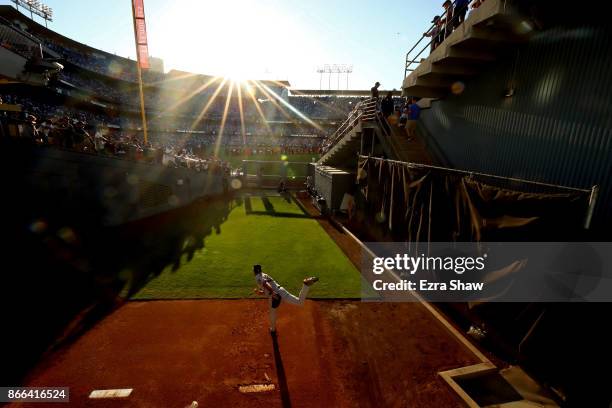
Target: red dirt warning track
[328, 354]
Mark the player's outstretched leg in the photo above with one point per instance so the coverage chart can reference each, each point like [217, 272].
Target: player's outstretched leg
[308, 282]
[299, 300]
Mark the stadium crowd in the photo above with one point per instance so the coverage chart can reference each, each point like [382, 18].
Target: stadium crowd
[165, 121]
[88, 109]
[112, 66]
[83, 131]
[324, 107]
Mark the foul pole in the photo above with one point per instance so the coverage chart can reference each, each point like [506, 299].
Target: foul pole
[142, 56]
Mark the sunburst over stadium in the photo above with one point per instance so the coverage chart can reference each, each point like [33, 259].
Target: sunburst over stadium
[305, 204]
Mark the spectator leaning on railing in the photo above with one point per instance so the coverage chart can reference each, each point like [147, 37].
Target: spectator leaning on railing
[454, 15]
[435, 33]
[461, 7]
[448, 20]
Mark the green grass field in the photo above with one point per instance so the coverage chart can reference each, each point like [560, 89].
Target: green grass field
[236, 160]
[294, 169]
[272, 232]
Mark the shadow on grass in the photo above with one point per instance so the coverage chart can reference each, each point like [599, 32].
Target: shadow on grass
[144, 249]
[267, 204]
[63, 270]
[270, 211]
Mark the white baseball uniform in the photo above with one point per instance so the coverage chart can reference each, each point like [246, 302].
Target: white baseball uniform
[263, 278]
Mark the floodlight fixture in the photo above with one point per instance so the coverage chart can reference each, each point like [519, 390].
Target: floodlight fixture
[339, 69]
[35, 7]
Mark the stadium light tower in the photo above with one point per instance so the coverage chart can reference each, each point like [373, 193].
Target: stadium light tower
[321, 71]
[36, 7]
[345, 69]
[334, 69]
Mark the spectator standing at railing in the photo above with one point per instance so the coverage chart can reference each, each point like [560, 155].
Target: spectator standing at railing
[461, 7]
[374, 90]
[448, 21]
[387, 105]
[436, 32]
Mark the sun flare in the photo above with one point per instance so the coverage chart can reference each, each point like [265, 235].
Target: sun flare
[244, 45]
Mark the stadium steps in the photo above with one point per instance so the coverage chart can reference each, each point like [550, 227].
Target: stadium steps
[347, 139]
[390, 141]
[406, 149]
[344, 151]
[490, 31]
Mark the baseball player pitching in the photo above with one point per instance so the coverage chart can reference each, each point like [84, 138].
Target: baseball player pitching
[276, 293]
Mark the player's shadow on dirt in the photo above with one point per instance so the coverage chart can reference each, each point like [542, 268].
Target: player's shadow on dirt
[280, 373]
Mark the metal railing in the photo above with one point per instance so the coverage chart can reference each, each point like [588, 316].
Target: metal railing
[363, 112]
[513, 183]
[416, 59]
[387, 137]
[509, 182]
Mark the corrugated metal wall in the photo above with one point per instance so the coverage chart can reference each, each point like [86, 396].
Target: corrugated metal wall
[557, 127]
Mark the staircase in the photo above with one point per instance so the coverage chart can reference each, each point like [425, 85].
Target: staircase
[346, 141]
[366, 132]
[403, 148]
[343, 151]
[488, 32]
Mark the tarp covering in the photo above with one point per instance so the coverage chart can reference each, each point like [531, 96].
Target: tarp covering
[425, 204]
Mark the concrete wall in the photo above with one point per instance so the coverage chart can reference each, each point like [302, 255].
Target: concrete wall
[125, 190]
[11, 64]
[556, 128]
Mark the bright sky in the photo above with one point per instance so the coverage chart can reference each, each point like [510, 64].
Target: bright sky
[260, 39]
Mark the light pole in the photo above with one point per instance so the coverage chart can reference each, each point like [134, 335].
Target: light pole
[36, 7]
[331, 69]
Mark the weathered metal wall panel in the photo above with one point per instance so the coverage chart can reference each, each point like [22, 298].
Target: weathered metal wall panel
[556, 128]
